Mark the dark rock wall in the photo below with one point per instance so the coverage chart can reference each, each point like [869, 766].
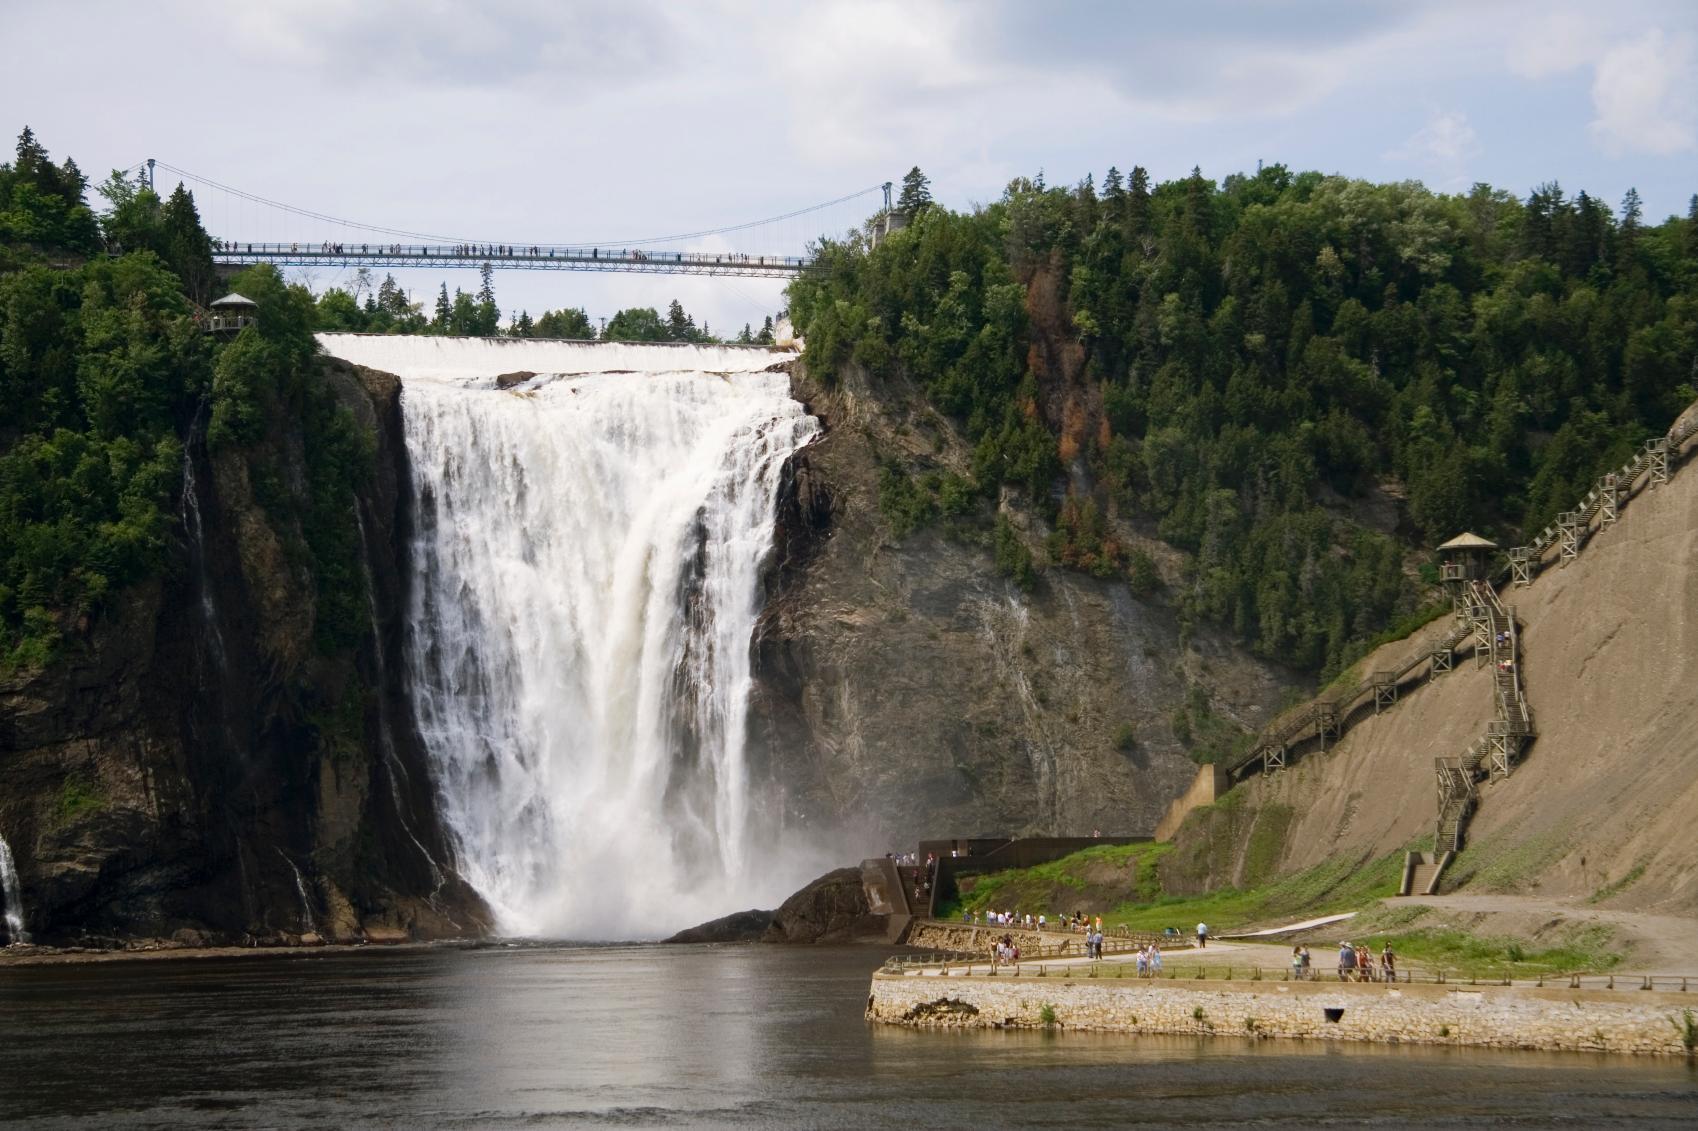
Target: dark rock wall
[906, 689]
[195, 766]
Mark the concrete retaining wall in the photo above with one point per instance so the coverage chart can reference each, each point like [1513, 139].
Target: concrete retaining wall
[1630, 1021]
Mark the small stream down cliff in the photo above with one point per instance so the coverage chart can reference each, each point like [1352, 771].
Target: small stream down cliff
[586, 555]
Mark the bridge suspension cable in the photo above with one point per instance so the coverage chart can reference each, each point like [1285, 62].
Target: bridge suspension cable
[430, 237]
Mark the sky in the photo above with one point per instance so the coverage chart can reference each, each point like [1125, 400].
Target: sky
[608, 120]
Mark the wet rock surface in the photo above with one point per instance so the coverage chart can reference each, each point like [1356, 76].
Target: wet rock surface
[739, 926]
[831, 909]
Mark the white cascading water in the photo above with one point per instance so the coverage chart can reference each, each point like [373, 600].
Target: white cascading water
[586, 563]
[11, 893]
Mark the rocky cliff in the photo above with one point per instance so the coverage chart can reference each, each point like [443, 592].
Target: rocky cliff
[906, 688]
[195, 766]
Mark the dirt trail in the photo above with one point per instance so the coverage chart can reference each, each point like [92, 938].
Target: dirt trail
[1652, 944]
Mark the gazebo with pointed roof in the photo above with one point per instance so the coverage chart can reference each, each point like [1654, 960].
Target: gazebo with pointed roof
[231, 313]
[1464, 558]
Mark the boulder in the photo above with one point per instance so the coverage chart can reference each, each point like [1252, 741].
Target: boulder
[832, 909]
[740, 926]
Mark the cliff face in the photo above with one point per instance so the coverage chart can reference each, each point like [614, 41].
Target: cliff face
[906, 688]
[195, 766]
[1601, 806]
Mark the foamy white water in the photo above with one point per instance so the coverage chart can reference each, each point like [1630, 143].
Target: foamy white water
[11, 892]
[586, 562]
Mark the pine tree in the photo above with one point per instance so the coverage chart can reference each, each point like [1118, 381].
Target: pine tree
[1138, 202]
[1627, 233]
[443, 310]
[1692, 227]
[1114, 192]
[916, 194]
[744, 337]
[765, 336]
[679, 326]
[186, 246]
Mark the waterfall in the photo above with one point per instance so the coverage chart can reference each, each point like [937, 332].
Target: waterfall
[12, 896]
[586, 557]
[192, 525]
[309, 925]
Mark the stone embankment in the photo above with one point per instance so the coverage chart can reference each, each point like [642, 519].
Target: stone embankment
[1519, 1017]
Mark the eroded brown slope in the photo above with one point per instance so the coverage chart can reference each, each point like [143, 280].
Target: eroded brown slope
[1604, 803]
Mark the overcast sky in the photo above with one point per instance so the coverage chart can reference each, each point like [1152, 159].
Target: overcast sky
[532, 120]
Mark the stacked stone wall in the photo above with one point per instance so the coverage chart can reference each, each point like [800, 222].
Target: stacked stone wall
[1626, 1021]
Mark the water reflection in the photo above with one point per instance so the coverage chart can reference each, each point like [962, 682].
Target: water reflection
[734, 1036]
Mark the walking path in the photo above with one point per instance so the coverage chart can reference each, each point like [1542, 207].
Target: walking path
[1655, 944]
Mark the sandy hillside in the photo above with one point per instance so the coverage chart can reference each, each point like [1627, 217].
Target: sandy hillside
[1605, 803]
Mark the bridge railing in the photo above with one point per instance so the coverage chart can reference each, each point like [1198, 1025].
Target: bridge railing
[532, 254]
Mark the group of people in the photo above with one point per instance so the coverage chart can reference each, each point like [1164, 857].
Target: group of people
[1149, 961]
[1005, 952]
[1355, 964]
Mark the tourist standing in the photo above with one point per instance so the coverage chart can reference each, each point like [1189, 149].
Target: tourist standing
[1388, 963]
[1297, 964]
[1346, 962]
[1202, 935]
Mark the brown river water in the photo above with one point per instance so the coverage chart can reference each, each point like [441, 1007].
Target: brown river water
[741, 1037]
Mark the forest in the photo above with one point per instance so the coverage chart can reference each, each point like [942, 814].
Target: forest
[107, 376]
[1259, 371]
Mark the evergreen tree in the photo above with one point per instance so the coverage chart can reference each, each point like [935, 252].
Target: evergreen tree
[186, 246]
[916, 194]
[1627, 232]
[1138, 202]
[744, 337]
[443, 311]
[765, 336]
[1692, 227]
[680, 327]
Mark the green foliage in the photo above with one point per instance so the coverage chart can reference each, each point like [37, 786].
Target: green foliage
[904, 504]
[42, 207]
[1264, 352]
[1013, 559]
[1126, 738]
[571, 322]
[637, 324]
[1141, 575]
[78, 796]
[95, 363]
[1046, 1016]
[271, 372]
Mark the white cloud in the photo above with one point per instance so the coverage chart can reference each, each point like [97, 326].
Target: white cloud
[1553, 42]
[1643, 93]
[1446, 141]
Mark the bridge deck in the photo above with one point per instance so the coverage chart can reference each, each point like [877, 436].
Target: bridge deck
[532, 258]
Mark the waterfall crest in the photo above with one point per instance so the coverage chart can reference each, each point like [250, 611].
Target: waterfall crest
[586, 557]
[11, 894]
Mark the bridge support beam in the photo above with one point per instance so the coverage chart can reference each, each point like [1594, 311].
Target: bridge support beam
[1609, 498]
[1273, 758]
[1385, 690]
[1521, 566]
[1568, 528]
[1444, 660]
[1657, 456]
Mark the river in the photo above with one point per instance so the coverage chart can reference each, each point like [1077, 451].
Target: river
[747, 1036]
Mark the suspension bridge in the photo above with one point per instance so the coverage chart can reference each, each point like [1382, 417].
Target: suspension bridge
[290, 236]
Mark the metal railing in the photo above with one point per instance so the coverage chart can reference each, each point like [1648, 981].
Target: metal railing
[981, 967]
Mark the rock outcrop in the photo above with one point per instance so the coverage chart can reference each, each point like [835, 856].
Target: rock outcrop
[906, 688]
[738, 927]
[832, 909]
[196, 765]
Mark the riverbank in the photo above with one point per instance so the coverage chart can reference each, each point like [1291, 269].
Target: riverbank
[1504, 1017]
[87, 956]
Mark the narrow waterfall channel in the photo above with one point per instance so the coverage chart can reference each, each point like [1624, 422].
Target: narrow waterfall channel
[586, 557]
[12, 895]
